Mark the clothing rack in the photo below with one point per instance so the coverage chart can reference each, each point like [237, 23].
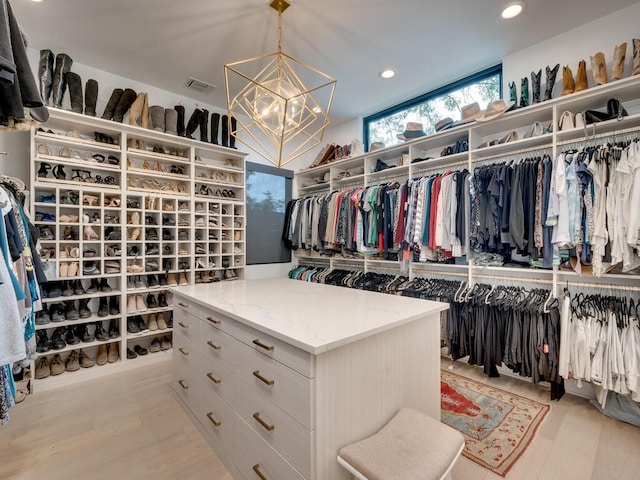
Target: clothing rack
[511, 154]
[599, 136]
[438, 168]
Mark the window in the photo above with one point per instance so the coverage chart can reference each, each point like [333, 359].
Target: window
[268, 192]
[483, 87]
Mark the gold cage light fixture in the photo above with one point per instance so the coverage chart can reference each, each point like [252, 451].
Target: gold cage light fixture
[281, 105]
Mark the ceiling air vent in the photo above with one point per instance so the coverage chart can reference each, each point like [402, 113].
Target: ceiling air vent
[199, 85]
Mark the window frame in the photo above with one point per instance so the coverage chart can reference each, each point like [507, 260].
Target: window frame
[425, 97]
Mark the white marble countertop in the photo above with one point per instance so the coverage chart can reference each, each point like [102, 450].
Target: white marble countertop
[311, 316]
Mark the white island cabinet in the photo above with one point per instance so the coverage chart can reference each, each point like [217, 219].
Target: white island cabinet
[279, 374]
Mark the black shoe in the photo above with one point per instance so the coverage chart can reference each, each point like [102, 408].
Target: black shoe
[114, 329]
[45, 74]
[44, 344]
[100, 333]
[151, 301]
[140, 350]
[112, 103]
[225, 131]
[162, 300]
[90, 97]
[127, 98]
[142, 326]
[83, 309]
[71, 312]
[152, 281]
[104, 286]
[194, 123]
[131, 354]
[77, 288]
[114, 307]
[103, 309]
[57, 340]
[162, 280]
[72, 336]
[93, 288]
[85, 335]
[132, 325]
[75, 92]
[63, 66]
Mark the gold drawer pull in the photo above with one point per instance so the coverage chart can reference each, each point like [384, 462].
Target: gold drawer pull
[262, 379]
[262, 422]
[213, 345]
[213, 379]
[214, 320]
[183, 325]
[213, 420]
[256, 468]
[185, 305]
[183, 351]
[183, 385]
[262, 345]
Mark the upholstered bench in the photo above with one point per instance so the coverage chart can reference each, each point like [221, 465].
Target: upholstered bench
[412, 446]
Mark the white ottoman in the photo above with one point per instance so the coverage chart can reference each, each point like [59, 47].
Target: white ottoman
[412, 446]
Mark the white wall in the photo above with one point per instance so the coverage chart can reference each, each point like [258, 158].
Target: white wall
[569, 48]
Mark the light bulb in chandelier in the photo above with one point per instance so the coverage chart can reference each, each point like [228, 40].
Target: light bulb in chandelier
[278, 106]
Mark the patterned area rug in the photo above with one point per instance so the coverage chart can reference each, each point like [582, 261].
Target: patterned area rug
[497, 425]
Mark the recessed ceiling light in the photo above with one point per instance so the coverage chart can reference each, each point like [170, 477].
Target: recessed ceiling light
[387, 73]
[37, 1]
[512, 9]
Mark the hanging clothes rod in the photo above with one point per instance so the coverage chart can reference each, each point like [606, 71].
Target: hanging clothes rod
[509, 155]
[602, 286]
[599, 136]
[438, 168]
[514, 279]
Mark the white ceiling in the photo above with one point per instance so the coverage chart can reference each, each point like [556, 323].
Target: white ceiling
[428, 42]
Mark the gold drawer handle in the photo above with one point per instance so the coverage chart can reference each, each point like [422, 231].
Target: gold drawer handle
[183, 385]
[262, 379]
[256, 468]
[185, 305]
[262, 422]
[214, 320]
[213, 420]
[183, 351]
[183, 325]
[213, 379]
[262, 345]
[213, 345]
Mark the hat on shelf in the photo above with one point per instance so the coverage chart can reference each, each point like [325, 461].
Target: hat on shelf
[443, 124]
[376, 146]
[413, 130]
[494, 110]
[470, 113]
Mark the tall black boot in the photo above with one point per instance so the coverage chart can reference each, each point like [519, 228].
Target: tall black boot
[232, 132]
[180, 123]
[127, 98]
[204, 126]
[45, 74]
[551, 81]
[194, 123]
[90, 97]
[63, 66]
[112, 103]
[215, 127]
[536, 79]
[524, 92]
[225, 131]
[75, 91]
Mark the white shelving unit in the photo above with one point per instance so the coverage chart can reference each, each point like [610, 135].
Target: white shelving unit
[138, 209]
[361, 173]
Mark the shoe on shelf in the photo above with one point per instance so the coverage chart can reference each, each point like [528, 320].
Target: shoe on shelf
[42, 368]
[85, 360]
[140, 322]
[165, 343]
[151, 301]
[113, 353]
[140, 350]
[72, 335]
[43, 344]
[83, 309]
[103, 308]
[114, 306]
[57, 365]
[140, 304]
[102, 357]
[85, 335]
[73, 361]
[93, 287]
[131, 354]
[162, 323]
[104, 286]
[154, 347]
[132, 325]
[152, 323]
[100, 333]
[114, 328]
[57, 340]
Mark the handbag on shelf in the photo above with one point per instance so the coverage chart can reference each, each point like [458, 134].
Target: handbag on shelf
[615, 110]
[566, 121]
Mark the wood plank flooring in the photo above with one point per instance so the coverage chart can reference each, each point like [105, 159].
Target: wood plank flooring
[129, 426]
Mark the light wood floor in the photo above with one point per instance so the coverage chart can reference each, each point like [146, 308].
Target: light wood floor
[129, 426]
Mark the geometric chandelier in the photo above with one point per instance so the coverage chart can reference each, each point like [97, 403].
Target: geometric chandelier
[281, 105]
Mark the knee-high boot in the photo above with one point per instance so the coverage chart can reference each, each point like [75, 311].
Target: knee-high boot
[204, 126]
[536, 79]
[63, 66]
[180, 120]
[193, 124]
[551, 81]
[232, 132]
[90, 97]
[225, 131]
[75, 92]
[215, 127]
[45, 74]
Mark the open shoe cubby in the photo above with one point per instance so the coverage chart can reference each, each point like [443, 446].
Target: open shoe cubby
[138, 209]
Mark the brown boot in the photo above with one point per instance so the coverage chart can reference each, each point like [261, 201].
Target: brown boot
[636, 56]
[581, 77]
[619, 56]
[599, 69]
[139, 110]
[568, 85]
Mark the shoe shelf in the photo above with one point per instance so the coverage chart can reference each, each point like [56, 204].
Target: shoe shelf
[139, 232]
[77, 346]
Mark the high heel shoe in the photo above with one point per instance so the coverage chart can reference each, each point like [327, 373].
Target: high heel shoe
[134, 219]
[59, 173]
[90, 234]
[90, 200]
[86, 176]
[134, 234]
[43, 171]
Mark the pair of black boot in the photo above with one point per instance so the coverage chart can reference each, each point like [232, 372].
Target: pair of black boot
[119, 103]
[536, 85]
[53, 83]
[200, 119]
